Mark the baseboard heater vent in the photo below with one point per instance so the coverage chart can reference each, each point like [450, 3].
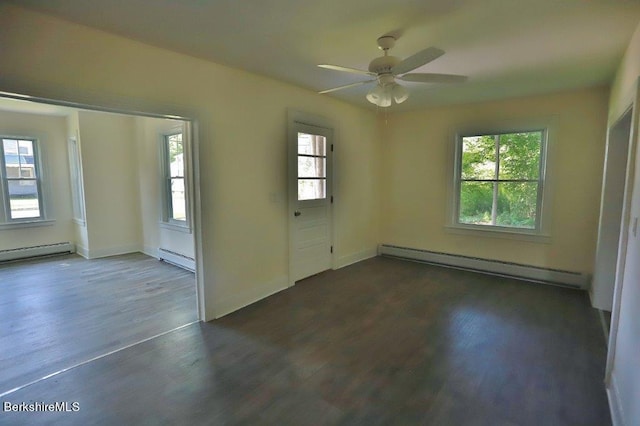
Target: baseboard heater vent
[36, 251]
[177, 259]
[515, 270]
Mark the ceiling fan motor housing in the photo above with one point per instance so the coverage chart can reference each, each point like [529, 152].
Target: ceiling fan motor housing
[383, 64]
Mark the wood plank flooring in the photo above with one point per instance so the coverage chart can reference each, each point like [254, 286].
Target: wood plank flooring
[59, 311]
[380, 342]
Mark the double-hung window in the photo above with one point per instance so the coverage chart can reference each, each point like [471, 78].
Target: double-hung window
[21, 180]
[499, 181]
[174, 179]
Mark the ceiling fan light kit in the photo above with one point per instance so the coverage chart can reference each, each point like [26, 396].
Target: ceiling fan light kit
[387, 68]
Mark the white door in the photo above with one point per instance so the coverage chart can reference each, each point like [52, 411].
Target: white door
[310, 200]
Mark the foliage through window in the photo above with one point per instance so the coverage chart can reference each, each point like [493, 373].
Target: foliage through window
[174, 180]
[21, 179]
[500, 178]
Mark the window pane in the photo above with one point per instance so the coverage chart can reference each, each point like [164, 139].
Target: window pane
[13, 171]
[176, 155]
[476, 200]
[478, 157]
[517, 204]
[311, 189]
[520, 155]
[10, 147]
[178, 200]
[312, 167]
[311, 144]
[23, 199]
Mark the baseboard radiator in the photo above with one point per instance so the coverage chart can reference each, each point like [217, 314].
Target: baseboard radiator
[36, 251]
[177, 259]
[515, 270]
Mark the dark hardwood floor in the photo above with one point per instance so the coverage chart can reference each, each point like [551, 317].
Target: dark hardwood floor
[380, 342]
[60, 311]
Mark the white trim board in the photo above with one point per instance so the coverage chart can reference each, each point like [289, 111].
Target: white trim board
[617, 415]
[575, 280]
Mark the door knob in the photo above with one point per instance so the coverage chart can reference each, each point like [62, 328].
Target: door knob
[297, 213]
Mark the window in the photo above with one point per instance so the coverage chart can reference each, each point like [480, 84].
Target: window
[312, 167]
[21, 188]
[77, 191]
[175, 194]
[499, 180]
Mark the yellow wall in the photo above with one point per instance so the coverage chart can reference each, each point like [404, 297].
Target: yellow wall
[109, 162]
[52, 137]
[242, 129]
[624, 83]
[418, 154]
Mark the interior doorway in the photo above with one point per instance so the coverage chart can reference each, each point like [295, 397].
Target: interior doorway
[117, 189]
[611, 212]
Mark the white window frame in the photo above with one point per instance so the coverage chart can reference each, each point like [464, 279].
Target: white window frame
[77, 185]
[6, 221]
[540, 231]
[167, 220]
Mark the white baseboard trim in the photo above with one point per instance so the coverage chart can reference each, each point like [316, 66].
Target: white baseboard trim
[177, 259]
[617, 415]
[488, 266]
[113, 251]
[82, 251]
[21, 253]
[356, 257]
[245, 298]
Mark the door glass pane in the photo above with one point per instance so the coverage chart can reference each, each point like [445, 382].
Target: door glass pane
[311, 189]
[312, 167]
[517, 204]
[476, 200]
[23, 199]
[311, 144]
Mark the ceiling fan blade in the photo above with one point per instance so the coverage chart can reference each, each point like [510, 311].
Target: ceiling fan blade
[360, 83]
[433, 78]
[346, 69]
[419, 59]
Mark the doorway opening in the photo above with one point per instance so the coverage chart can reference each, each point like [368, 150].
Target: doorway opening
[611, 212]
[116, 192]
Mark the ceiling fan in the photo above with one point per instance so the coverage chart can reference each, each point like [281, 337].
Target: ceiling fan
[386, 69]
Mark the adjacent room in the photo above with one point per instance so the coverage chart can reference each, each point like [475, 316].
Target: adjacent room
[320, 213]
[84, 227]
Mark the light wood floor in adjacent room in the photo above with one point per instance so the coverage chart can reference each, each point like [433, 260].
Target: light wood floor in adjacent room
[381, 342]
[60, 311]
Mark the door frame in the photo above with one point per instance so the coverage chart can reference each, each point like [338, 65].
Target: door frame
[624, 227]
[295, 117]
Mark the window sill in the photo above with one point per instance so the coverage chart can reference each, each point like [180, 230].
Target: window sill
[26, 224]
[499, 233]
[175, 227]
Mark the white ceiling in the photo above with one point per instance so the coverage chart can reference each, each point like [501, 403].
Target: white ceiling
[507, 47]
